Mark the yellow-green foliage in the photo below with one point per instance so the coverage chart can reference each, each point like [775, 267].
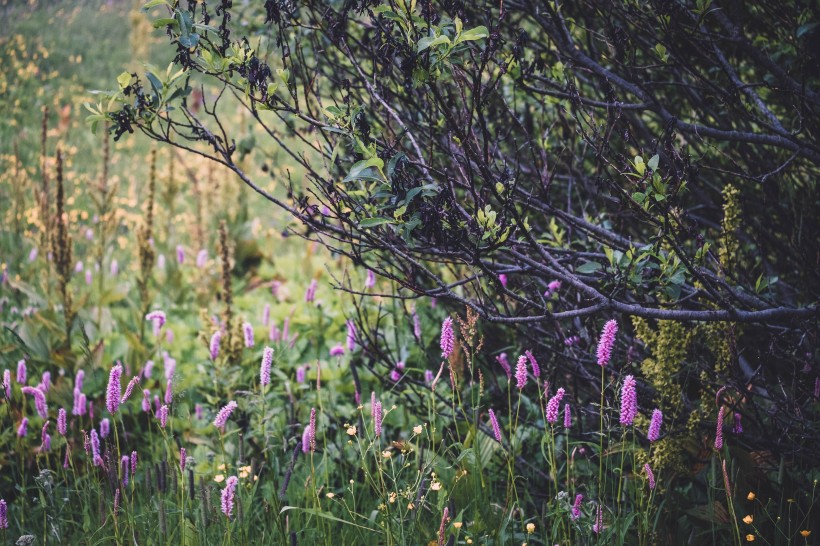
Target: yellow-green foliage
[728, 251]
[668, 344]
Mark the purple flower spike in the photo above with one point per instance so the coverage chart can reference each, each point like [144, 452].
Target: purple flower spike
[22, 430]
[264, 368]
[505, 364]
[180, 255]
[719, 430]
[306, 440]
[95, 448]
[7, 383]
[310, 293]
[130, 388]
[337, 350]
[606, 342]
[649, 476]
[169, 392]
[146, 400]
[163, 416]
[567, 416]
[553, 406]
[247, 331]
[228, 496]
[182, 456]
[629, 401]
[502, 278]
[21, 372]
[378, 416]
[416, 326]
[105, 428]
[4, 515]
[39, 400]
[222, 417]
[216, 339]
[124, 466]
[737, 428]
[536, 369]
[521, 372]
[576, 506]
[448, 338]
[201, 258]
[113, 393]
[61, 422]
[655, 425]
[370, 279]
[496, 427]
[157, 319]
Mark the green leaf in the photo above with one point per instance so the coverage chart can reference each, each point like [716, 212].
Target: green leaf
[165, 21]
[588, 267]
[124, 79]
[330, 517]
[476, 33]
[653, 162]
[640, 166]
[431, 41]
[154, 3]
[359, 169]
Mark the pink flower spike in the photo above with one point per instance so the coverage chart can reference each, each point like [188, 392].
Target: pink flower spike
[606, 342]
[576, 507]
[536, 369]
[370, 279]
[496, 426]
[649, 476]
[264, 368]
[222, 416]
[39, 400]
[553, 406]
[213, 346]
[448, 338]
[337, 350]
[505, 364]
[567, 416]
[521, 372]
[247, 332]
[130, 388]
[629, 401]
[61, 422]
[157, 318]
[351, 335]
[378, 415]
[655, 425]
[719, 430]
[228, 495]
[163, 416]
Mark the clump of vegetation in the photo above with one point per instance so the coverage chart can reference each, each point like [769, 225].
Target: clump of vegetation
[486, 288]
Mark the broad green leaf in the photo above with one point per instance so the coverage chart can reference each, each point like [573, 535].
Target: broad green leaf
[653, 162]
[124, 79]
[431, 41]
[154, 3]
[588, 267]
[476, 33]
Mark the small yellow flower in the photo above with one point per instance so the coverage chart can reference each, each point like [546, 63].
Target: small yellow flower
[750, 496]
[748, 519]
[469, 541]
[750, 538]
[410, 506]
[417, 429]
[435, 486]
[457, 524]
[245, 468]
[243, 474]
[391, 498]
[351, 431]
[221, 467]
[219, 478]
[386, 454]
[805, 532]
[530, 527]
[330, 495]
